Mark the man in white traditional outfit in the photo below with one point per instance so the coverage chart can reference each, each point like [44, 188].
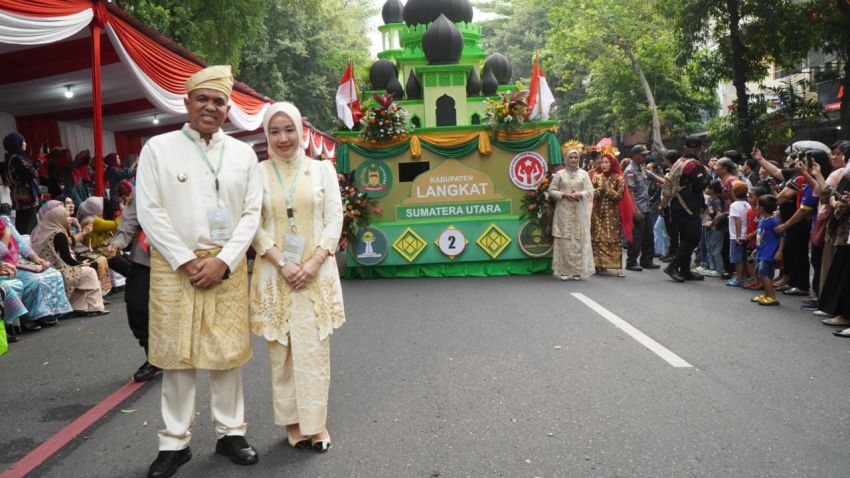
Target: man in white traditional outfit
[199, 200]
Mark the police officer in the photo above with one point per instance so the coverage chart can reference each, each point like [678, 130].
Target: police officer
[641, 250]
[684, 194]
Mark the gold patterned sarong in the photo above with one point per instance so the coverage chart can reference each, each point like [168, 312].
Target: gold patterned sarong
[194, 328]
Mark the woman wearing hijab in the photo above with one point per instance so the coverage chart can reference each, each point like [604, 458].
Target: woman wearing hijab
[296, 296]
[77, 175]
[98, 235]
[23, 181]
[115, 172]
[573, 191]
[82, 286]
[612, 213]
[43, 288]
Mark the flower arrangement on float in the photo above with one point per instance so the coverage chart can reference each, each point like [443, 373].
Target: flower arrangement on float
[506, 113]
[357, 209]
[538, 207]
[384, 121]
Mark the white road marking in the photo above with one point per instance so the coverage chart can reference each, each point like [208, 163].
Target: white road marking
[636, 334]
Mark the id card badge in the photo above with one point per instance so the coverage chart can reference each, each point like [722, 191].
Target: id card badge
[219, 221]
[293, 248]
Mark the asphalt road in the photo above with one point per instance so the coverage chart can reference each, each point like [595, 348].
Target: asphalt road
[497, 377]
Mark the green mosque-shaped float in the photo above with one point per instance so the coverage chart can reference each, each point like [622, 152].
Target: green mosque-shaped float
[449, 191]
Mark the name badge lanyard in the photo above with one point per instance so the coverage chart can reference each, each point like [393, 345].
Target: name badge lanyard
[215, 171]
[289, 193]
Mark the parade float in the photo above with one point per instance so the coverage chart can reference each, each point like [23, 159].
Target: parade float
[444, 175]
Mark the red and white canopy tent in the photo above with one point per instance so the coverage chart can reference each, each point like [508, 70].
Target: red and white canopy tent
[127, 80]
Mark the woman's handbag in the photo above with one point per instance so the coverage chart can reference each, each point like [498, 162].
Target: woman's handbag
[819, 230]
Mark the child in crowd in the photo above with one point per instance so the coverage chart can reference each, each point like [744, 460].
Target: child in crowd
[738, 232]
[753, 216]
[713, 236]
[769, 249]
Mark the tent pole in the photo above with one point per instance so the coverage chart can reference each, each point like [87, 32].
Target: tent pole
[97, 107]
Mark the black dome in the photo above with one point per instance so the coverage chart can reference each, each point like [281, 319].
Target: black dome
[393, 11]
[395, 88]
[490, 85]
[473, 84]
[381, 73]
[414, 89]
[500, 66]
[442, 42]
[426, 11]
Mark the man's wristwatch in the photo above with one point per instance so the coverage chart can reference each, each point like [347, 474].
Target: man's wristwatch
[281, 263]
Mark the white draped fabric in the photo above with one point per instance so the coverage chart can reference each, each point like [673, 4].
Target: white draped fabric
[7, 125]
[173, 103]
[77, 137]
[23, 30]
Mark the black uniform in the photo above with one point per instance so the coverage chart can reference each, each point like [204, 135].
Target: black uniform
[687, 222]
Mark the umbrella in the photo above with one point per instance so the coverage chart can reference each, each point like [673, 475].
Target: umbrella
[605, 143]
[807, 145]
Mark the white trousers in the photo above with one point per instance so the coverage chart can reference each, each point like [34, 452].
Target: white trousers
[178, 405]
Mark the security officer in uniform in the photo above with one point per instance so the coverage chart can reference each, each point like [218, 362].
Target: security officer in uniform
[684, 194]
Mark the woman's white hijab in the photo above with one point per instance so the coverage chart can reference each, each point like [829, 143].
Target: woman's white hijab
[289, 110]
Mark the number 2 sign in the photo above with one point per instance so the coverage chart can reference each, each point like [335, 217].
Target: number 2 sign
[452, 242]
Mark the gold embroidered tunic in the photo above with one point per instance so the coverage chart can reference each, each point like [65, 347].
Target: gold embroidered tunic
[605, 222]
[297, 324]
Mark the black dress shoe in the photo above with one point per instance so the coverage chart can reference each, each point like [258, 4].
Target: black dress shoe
[651, 265]
[692, 277]
[146, 372]
[167, 463]
[237, 449]
[634, 267]
[673, 273]
[667, 259]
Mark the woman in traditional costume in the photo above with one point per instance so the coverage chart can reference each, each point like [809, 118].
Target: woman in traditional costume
[43, 287]
[50, 241]
[612, 213]
[98, 237]
[296, 296]
[573, 191]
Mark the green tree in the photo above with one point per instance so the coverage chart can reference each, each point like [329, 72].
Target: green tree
[830, 33]
[303, 51]
[738, 40]
[215, 30]
[622, 53]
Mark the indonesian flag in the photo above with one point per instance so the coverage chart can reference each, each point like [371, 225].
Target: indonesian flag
[540, 97]
[347, 102]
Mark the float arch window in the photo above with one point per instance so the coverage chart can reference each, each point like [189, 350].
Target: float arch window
[407, 172]
[446, 112]
[476, 119]
[415, 121]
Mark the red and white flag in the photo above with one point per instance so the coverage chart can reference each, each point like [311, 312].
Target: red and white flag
[540, 97]
[347, 102]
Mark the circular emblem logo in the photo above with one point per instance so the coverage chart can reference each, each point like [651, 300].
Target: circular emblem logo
[374, 178]
[371, 247]
[452, 242]
[533, 241]
[528, 169]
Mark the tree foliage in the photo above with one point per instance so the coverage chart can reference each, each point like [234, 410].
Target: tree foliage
[304, 50]
[602, 48]
[215, 30]
[738, 40]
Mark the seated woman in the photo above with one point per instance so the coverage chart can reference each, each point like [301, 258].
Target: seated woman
[50, 241]
[15, 311]
[97, 236]
[43, 288]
